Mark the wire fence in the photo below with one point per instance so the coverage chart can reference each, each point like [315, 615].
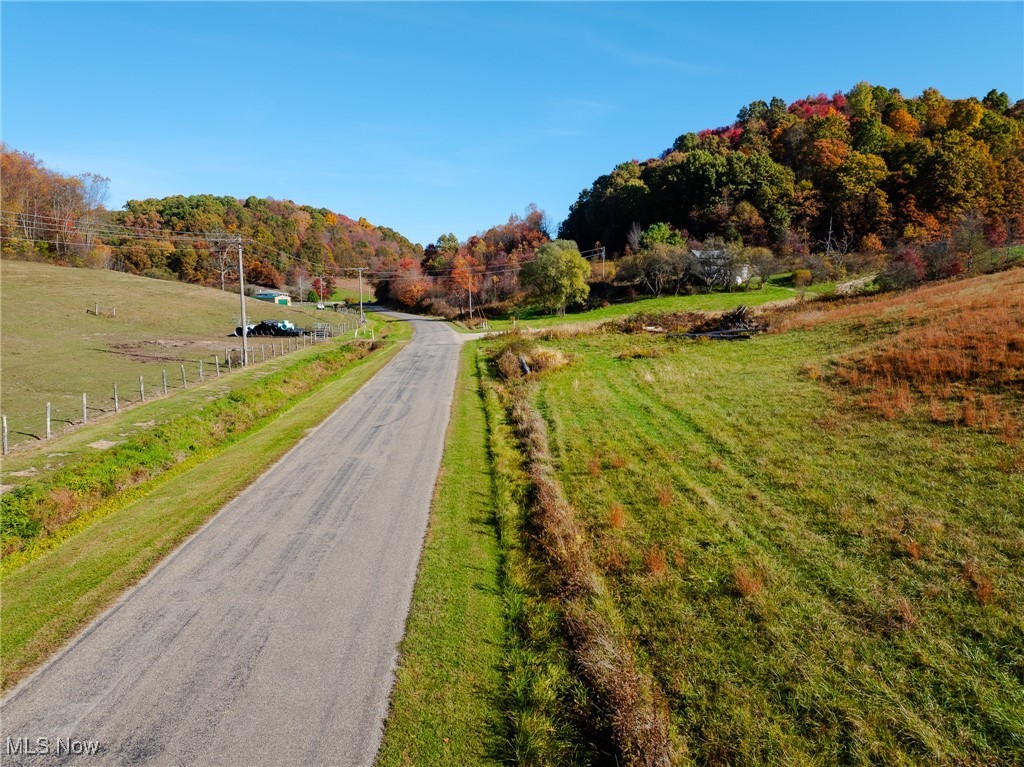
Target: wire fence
[188, 373]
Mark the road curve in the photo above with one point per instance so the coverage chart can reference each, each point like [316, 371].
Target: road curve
[268, 638]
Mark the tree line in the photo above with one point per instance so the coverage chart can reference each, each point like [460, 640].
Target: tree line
[827, 180]
[58, 218]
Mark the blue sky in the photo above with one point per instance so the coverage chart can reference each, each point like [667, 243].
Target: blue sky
[437, 117]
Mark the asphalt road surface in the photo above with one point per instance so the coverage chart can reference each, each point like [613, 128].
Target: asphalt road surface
[270, 637]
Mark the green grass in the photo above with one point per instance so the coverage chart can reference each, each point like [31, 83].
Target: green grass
[444, 705]
[53, 347]
[802, 576]
[530, 317]
[50, 596]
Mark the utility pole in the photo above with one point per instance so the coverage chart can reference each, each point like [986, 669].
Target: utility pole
[241, 297]
[362, 317]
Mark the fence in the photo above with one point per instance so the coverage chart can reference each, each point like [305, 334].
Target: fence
[189, 373]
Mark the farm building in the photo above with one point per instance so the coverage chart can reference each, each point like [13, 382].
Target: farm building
[273, 296]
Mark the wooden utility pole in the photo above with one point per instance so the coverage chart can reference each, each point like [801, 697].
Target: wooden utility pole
[241, 297]
[362, 317]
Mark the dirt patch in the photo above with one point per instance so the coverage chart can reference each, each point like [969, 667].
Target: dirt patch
[29, 472]
[102, 444]
[167, 350]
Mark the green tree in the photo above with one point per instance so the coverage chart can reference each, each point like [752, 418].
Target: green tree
[557, 276]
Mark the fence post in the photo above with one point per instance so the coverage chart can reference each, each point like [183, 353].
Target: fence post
[142, 389]
[164, 374]
[117, 405]
[5, 435]
[184, 381]
[48, 432]
[273, 350]
[263, 351]
[85, 409]
[229, 362]
[97, 309]
[200, 371]
[216, 362]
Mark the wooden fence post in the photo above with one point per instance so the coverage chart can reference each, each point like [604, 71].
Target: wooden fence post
[184, 381]
[48, 432]
[117, 405]
[163, 373]
[142, 389]
[229, 362]
[263, 351]
[216, 361]
[200, 371]
[5, 435]
[85, 409]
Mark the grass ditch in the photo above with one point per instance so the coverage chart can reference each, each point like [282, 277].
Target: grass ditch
[58, 588]
[38, 515]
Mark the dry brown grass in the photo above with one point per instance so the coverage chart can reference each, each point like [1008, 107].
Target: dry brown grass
[594, 466]
[747, 583]
[664, 496]
[980, 585]
[617, 516]
[959, 343]
[618, 461]
[657, 563]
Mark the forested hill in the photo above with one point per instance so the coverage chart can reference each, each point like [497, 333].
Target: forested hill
[50, 216]
[867, 168]
[318, 239]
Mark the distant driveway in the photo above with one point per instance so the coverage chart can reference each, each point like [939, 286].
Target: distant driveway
[269, 638]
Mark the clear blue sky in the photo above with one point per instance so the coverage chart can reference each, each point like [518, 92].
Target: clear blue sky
[430, 117]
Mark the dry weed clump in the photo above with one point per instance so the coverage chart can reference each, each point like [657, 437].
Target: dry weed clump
[618, 461]
[594, 466]
[664, 495]
[522, 357]
[747, 583]
[657, 563]
[980, 585]
[63, 507]
[617, 516]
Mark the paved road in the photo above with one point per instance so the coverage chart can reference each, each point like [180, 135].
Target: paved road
[269, 637]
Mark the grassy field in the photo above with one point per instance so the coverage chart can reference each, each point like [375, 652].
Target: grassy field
[530, 318]
[102, 520]
[53, 347]
[809, 575]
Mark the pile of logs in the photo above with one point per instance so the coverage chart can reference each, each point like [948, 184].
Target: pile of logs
[737, 325]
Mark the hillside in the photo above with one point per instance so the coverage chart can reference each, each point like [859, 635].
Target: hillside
[53, 348]
[48, 216]
[853, 172]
